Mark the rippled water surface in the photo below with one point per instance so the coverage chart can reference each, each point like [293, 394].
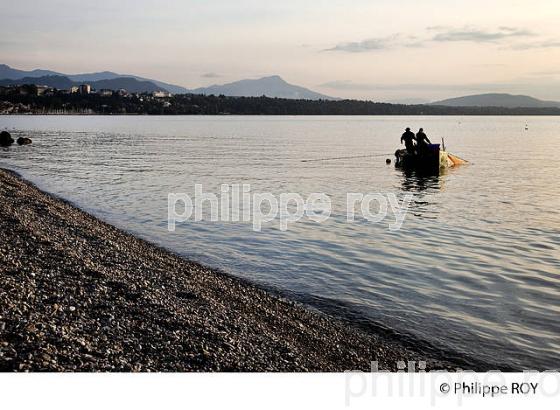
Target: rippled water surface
[475, 269]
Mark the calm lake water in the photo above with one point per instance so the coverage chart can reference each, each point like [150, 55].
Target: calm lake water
[474, 271]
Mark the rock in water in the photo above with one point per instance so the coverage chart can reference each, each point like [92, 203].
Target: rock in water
[6, 139]
[24, 141]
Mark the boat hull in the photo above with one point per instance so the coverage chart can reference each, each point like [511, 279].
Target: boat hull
[431, 160]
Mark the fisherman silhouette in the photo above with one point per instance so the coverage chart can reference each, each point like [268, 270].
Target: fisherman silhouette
[422, 140]
[408, 138]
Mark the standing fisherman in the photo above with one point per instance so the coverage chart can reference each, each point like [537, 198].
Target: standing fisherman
[408, 138]
[422, 140]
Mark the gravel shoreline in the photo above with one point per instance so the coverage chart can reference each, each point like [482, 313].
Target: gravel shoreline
[77, 294]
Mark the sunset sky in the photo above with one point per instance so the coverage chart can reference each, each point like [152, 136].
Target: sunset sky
[398, 50]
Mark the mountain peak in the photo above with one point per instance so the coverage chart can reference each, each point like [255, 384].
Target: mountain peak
[272, 86]
[273, 78]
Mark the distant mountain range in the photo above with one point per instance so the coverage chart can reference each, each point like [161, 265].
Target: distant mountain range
[273, 86]
[64, 83]
[9, 73]
[497, 100]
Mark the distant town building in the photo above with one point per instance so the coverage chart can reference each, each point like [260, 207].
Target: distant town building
[122, 92]
[41, 89]
[161, 94]
[85, 89]
[74, 89]
[105, 93]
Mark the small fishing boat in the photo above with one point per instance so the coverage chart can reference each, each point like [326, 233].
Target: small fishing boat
[432, 159]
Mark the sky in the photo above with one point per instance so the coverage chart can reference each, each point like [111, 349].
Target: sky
[383, 50]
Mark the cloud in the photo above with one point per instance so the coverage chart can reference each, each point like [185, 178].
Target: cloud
[478, 35]
[537, 44]
[210, 75]
[443, 34]
[376, 44]
[501, 34]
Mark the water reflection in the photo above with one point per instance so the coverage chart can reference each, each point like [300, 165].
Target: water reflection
[418, 181]
[424, 186]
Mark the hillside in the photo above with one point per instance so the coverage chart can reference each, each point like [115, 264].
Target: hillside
[497, 100]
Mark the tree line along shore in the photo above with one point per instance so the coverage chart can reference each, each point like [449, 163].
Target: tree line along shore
[191, 104]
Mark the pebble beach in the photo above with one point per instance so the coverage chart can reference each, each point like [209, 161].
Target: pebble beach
[77, 294]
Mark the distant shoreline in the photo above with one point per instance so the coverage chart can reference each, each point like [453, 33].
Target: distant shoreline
[81, 295]
[187, 104]
[274, 115]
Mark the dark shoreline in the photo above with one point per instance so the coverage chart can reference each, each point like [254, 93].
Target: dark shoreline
[197, 104]
[132, 114]
[77, 294]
